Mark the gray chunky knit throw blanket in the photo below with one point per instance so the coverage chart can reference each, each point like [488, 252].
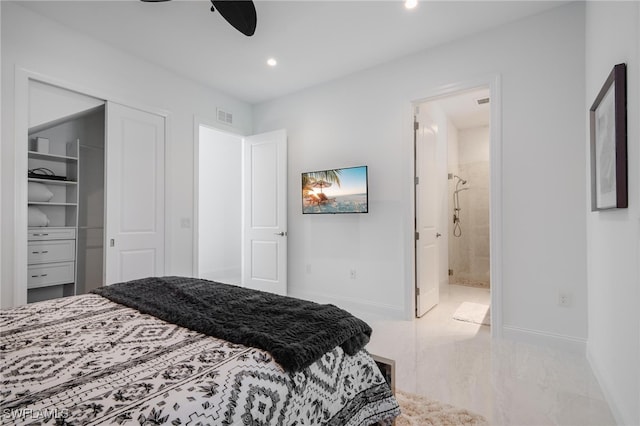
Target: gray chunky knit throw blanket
[296, 332]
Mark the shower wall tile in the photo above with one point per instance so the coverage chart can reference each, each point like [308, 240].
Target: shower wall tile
[469, 254]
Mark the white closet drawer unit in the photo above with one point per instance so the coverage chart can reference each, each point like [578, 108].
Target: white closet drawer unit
[50, 274]
[35, 234]
[52, 251]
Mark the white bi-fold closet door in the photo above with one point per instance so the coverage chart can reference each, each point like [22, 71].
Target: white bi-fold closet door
[134, 192]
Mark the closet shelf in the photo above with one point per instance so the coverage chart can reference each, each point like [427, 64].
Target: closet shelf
[44, 203]
[52, 157]
[50, 228]
[53, 181]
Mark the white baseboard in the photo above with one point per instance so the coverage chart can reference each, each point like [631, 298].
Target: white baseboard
[227, 276]
[556, 341]
[354, 306]
[617, 415]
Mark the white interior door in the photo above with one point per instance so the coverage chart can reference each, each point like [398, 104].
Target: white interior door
[134, 217]
[427, 284]
[264, 239]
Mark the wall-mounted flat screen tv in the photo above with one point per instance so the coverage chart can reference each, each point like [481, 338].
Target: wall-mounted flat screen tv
[335, 191]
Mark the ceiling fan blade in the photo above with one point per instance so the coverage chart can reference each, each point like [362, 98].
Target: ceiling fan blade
[241, 14]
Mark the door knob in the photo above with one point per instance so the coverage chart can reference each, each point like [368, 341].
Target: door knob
[438, 235]
[282, 234]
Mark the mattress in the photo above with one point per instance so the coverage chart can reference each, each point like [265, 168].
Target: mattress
[87, 360]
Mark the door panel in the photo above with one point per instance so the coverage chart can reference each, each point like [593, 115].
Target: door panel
[264, 184]
[136, 263]
[264, 255]
[138, 157]
[427, 284]
[134, 218]
[264, 241]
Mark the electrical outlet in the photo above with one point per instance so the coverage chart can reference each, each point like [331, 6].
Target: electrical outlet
[564, 299]
[352, 274]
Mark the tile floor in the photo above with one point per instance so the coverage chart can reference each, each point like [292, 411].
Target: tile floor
[510, 383]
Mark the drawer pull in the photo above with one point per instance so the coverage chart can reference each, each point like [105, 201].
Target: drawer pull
[41, 275]
[40, 235]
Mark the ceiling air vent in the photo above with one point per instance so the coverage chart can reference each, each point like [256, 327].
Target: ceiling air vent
[225, 117]
[482, 101]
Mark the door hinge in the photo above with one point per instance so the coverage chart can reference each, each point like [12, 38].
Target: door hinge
[416, 180]
[417, 235]
[416, 125]
[417, 291]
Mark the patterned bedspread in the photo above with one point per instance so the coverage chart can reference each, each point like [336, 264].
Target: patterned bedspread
[86, 360]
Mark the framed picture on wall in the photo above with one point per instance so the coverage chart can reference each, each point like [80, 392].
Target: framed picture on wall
[608, 130]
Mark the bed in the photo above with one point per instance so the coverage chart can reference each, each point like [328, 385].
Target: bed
[105, 359]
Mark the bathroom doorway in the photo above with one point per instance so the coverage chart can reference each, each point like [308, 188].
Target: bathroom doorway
[468, 174]
[459, 177]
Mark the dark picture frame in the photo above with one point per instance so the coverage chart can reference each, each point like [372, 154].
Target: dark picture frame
[608, 131]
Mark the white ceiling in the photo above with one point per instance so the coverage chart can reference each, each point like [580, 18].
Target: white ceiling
[313, 41]
[463, 109]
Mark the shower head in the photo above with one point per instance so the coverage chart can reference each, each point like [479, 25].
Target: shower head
[460, 180]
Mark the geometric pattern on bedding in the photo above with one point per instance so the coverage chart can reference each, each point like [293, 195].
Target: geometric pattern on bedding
[87, 360]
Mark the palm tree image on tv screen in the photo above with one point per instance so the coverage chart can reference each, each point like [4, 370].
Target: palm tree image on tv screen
[335, 191]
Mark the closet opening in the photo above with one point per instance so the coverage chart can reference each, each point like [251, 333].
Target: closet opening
[65, 193]
[92, 210]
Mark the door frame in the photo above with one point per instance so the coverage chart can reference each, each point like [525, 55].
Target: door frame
[418, 192]
[199, 121]
[21, 134]
[215, 125]
[492, 81]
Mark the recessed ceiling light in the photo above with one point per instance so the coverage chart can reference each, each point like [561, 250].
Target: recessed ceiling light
[272, 62]
[410, 4]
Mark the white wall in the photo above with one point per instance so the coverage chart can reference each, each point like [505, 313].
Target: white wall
[42, 46]
[613, 237]
[366, 118]
[219, 206]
